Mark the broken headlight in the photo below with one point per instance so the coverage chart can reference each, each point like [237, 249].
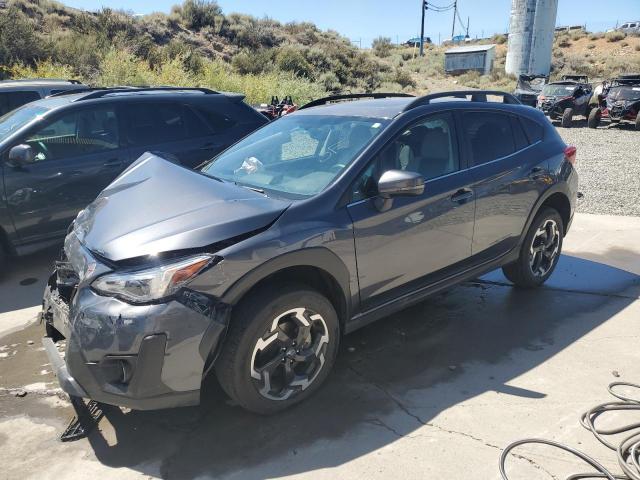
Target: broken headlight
[142, 286]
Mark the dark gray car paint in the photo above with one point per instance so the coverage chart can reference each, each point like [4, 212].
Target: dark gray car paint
[39, 200]
[348, 242]
[181, 210]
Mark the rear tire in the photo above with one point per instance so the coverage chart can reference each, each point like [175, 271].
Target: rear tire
[281, 345]
[594, 118]
[540, 251]
[567, 117]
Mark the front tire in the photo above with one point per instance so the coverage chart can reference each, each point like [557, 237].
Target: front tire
[567, 117]
[281, 346]
[540, 251]
[638, 121]
[594, 118]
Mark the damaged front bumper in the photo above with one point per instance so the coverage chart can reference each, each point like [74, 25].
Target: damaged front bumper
[138, 356]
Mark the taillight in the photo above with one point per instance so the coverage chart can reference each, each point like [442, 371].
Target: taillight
[570, 154]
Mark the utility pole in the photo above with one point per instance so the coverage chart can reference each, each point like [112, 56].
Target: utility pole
[455, 12]
[467, 27]
[423, 6]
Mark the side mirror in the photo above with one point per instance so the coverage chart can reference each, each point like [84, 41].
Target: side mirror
[21, 155]
[395, 183]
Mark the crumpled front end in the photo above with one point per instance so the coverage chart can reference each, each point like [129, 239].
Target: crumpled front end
[139, 356]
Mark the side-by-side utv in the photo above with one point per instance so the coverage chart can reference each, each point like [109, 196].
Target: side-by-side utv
[619, 102]
[563, 99]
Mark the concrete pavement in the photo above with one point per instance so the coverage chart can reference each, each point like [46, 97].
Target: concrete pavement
[434, 391]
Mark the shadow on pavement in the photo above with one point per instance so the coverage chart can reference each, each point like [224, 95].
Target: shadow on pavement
[23, 283]
[397, 375]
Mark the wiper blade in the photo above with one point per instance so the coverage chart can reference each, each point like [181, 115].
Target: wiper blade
[255, 189]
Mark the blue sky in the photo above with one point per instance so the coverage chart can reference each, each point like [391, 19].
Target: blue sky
[363, 20]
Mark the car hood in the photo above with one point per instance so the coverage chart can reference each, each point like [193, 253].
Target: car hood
[156, 206]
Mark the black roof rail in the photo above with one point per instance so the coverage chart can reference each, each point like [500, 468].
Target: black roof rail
[352, 96]
[101, 92]
[476, 96]
[72, 91]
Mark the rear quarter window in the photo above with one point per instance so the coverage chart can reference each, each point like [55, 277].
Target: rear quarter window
[488, 136]
[532, 129]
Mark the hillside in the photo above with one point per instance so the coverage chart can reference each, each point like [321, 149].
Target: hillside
[198, 44]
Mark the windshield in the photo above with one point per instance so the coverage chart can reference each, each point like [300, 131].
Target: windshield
[12, 121]
[297, 155]
[624, 93]
[558, 90]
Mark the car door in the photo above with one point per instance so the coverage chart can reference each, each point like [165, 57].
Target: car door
[419, 238]
[508, 173]
[77, 154]
[171, 128]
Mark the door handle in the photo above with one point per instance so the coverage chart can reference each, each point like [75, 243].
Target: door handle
[462, 195]
[114, 162]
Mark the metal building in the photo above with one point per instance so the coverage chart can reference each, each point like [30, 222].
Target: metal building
[531, 36]
[470, 57]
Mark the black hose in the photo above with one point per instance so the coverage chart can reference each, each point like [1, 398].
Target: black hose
[628, 450]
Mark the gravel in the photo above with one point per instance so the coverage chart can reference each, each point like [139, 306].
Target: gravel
[609, 168]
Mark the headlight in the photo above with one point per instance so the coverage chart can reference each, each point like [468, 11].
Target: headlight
[151, 284]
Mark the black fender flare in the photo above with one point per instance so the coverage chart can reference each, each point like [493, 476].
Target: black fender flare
[557, 188]
[316, 257]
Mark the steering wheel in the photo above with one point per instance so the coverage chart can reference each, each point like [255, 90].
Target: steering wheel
[43, 148]
[337, 167]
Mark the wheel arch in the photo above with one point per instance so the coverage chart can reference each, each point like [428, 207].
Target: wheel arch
[556, 198]
[318, 268]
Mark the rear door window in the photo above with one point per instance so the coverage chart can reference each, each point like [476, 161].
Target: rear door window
[12, 100]
[216, 121]
[155, 123]
[488, 136]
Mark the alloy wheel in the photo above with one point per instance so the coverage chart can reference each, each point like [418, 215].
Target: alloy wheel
[545, 248]
[290, 355]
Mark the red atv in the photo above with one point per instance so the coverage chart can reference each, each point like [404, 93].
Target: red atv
[277, 108]
[618, 102]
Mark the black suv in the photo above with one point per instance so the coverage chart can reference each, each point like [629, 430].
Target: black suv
[619, 102]
[15, 93]
[58, 153]
[315, 225]
[566, 98]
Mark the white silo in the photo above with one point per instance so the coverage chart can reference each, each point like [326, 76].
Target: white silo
[531, 36]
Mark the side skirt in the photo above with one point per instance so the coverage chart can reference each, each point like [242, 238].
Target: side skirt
[411, 298]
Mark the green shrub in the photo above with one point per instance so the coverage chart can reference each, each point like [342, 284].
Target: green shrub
[253, 62]
[291, 59]
[563, 41]
[197, 14]
[591, 46]
[499, 39]
[404, 79]
[382, 46]
[614, 36]
[18, 41]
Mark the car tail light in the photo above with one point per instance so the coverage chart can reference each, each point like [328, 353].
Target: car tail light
[570, 154]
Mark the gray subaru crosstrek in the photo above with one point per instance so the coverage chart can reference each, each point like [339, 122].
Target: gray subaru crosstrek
[311, 227]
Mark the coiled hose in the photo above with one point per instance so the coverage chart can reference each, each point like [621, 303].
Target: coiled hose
[628, 451]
